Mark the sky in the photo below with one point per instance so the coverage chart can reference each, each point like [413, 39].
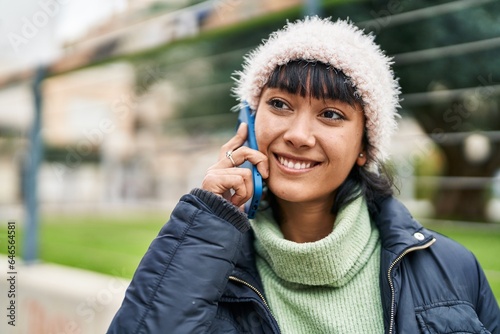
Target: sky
[32, 31]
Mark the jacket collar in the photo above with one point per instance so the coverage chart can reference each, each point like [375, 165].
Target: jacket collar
[398, 229]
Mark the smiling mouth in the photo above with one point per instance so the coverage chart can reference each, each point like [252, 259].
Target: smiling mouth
[295, 164]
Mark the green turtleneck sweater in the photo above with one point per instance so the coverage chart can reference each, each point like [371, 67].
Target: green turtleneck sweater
[327, 286]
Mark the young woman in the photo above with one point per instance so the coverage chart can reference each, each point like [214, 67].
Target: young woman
[332, 251]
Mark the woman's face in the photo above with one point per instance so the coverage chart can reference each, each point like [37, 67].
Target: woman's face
[312, 144]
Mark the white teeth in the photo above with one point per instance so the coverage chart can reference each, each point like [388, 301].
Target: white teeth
[294, 165]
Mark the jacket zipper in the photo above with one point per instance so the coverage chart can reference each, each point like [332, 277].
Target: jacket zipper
[239, 280]
[409, 250]
[253, 288]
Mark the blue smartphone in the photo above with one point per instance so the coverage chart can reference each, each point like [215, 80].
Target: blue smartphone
[246, 115]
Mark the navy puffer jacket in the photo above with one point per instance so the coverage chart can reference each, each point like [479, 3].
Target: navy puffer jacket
[199, 276]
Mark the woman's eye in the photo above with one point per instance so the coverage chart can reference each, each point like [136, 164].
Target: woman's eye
[278, 104]
[331, 114]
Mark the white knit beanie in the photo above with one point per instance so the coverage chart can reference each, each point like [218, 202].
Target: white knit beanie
[343, 46]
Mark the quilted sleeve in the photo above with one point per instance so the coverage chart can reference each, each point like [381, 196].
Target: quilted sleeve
[180, 279]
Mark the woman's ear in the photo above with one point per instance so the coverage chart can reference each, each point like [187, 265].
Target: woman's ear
[361, 160]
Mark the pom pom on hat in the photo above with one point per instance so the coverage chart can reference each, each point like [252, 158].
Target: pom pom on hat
[343, 46]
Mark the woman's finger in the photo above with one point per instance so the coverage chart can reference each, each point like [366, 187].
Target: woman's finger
[234, 184]
[242, 154]
[236, 141]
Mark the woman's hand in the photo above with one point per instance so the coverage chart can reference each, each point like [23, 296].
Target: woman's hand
[223, 177]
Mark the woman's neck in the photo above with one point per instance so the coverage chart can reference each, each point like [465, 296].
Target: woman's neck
[306, 222]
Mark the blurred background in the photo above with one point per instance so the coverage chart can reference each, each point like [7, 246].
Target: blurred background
[112, 110]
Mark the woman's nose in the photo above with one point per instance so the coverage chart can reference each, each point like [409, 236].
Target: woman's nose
[299, 132]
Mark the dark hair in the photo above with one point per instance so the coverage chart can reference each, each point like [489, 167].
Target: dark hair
[314, 79]
[322, 81]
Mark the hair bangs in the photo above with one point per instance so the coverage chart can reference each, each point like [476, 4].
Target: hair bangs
[314, 79]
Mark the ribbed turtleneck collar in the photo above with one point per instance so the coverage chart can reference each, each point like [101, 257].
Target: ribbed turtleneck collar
[333, 260]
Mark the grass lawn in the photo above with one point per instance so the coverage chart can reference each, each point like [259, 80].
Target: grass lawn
[108, 244]
[115, 244]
